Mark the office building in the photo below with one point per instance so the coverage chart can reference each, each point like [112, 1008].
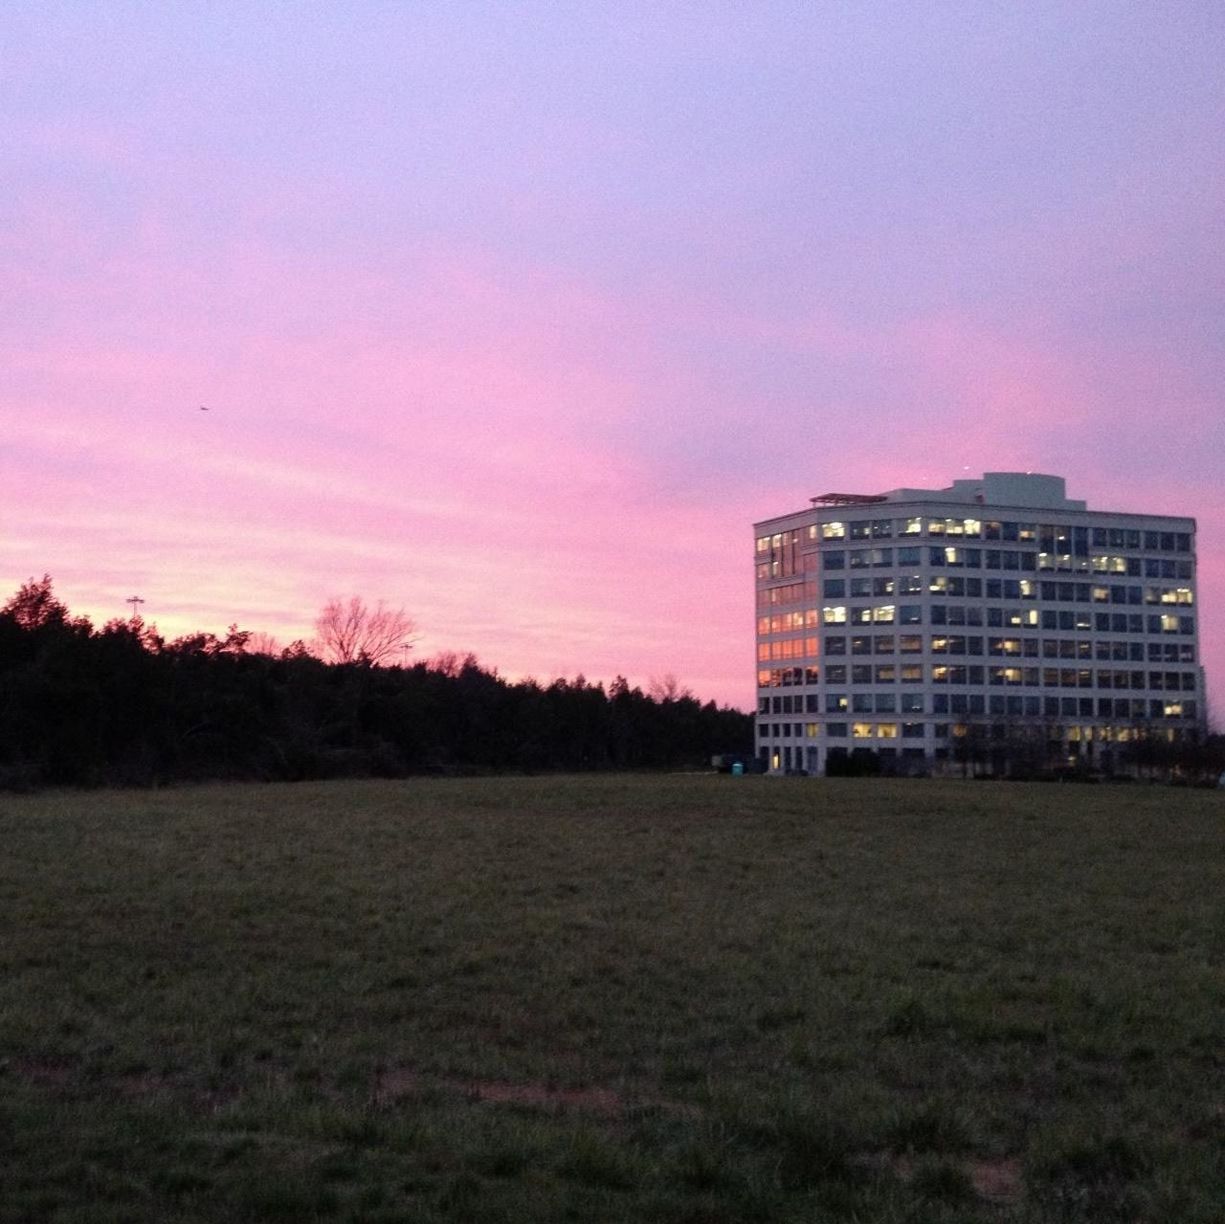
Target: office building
[996, 621]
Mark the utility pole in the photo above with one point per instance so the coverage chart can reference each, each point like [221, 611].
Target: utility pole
[135, 601]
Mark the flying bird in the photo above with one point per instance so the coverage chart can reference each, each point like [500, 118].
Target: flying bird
[203, 408]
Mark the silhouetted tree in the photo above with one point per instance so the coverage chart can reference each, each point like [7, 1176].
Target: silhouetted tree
[349, 631]
[667, 688]
[35, 605]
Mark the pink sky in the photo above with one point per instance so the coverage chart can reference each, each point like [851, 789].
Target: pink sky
[518, 317]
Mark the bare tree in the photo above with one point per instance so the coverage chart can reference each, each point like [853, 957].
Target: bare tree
[447, 663]
[261, 643]
[349, 631]
[667, 688]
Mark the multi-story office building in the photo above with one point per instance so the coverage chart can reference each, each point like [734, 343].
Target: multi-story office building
[996, 617]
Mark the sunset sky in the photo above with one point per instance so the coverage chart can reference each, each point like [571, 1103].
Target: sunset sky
[518, 315]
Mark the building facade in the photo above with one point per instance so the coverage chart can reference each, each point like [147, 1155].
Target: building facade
[995, 620]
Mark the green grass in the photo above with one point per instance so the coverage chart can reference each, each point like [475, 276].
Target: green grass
[683, 999]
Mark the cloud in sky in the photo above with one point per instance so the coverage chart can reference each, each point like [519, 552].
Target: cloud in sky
[520, 316]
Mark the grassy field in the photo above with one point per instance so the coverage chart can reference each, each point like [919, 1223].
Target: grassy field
[682, 999]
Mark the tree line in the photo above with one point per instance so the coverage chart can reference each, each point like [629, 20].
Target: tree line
[86, 706]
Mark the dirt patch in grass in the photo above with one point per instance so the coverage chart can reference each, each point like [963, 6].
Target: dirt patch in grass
[540, 1096]
[140, 1085]
[606, 1102]
[996, 1181]
[65, 1076]
[44, 1072]
[999, 1181]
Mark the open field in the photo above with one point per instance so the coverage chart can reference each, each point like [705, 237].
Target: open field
[613, 998]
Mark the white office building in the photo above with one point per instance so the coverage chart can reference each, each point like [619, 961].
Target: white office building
[996, 619]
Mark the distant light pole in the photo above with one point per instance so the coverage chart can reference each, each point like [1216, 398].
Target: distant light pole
[135, 601]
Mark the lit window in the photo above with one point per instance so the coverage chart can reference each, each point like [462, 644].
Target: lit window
[861, 730]
[833, 531]
[886, 730]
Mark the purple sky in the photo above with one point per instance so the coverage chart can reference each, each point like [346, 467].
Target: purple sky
[519, 315]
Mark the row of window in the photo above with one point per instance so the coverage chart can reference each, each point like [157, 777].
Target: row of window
[1050, 537]
[976, 644]
[806, 758]
[913, 703]
[912, 673]
[842, 614]
[1134, 567]
[954, 586]
[975, 675]
[1023, 589]
[991, 559]
[783, 758]
[771, 651]
[789, 648]
[884, 528]
[1005, 588]
[1052, 707]
[1063, 619]
[1116, 709]
[789, 593]
[1027, 677]
[1068, 620]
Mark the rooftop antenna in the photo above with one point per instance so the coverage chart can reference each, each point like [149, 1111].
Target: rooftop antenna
[135, 601]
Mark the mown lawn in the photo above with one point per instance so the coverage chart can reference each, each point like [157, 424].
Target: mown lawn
[669, 999]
